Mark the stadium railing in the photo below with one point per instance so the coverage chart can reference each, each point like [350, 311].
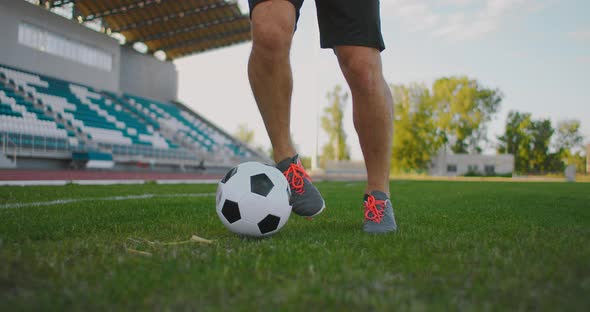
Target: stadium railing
[148, 151]
[37, 142]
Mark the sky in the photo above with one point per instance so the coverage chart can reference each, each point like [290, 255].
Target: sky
[537, 52]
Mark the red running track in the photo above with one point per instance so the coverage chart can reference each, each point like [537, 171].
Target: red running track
[68, 175]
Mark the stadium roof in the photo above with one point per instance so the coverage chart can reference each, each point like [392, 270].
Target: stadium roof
[177, 27]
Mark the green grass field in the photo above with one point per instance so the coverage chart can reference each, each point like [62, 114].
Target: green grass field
[461, 245]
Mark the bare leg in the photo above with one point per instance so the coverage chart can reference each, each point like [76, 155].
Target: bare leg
[269, 71]
[372, 111]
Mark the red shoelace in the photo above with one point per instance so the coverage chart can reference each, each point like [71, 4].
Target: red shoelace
[295, 175]
[374, 209]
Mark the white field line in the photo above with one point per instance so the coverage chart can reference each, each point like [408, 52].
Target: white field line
[112, 198]
[106, 182]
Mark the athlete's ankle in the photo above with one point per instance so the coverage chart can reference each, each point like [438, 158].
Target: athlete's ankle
[380, 190]
[282, 155]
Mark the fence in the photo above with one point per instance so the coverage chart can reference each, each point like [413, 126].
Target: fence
[33, 143]
[15, 144]
[149, 152]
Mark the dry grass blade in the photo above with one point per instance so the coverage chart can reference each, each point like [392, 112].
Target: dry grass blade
[139, 252]
[193, 239]
[198, 239]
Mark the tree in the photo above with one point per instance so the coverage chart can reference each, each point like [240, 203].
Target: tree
[416, 137]
[541, 160]
[332, 123]
[244, 134]
[569, 144]
[529, 141]
[568, 137]
[463, 109]
[579, 160]
[456, 113]
[517, 140]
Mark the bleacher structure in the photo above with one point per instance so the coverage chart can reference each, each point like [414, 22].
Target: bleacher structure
[46, 118]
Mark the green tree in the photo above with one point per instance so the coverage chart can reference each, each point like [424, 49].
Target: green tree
[541, 160]
[244, 134]
[568, 139]
[579, 160]
[517, 140]
[416, 137]
[463, 110]
[569, 144]
[529, 141]
[332, 123]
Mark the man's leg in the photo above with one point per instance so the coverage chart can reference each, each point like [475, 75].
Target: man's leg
[372, 111]
[373, 121]
[269, 71]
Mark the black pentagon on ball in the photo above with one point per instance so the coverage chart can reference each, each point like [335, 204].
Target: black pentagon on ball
[229, 174]
[269, 224]
[231, 211]
[261, 184]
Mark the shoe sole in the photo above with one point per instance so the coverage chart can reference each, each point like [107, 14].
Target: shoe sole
[380, 231]
[317, 213]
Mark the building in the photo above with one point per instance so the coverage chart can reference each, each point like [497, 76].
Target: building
[461, 164]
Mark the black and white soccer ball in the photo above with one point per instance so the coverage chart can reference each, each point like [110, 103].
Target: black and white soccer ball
[253, 200]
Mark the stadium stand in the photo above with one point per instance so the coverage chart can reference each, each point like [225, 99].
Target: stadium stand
[45, 112]
[189, 129]
[77, 91]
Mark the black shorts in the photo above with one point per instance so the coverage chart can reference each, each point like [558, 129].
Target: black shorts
[345, 22]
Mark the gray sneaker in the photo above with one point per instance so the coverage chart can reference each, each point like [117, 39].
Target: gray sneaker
[305, 198]
[379, 216]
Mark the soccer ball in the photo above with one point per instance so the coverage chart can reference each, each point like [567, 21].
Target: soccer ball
[253, 200]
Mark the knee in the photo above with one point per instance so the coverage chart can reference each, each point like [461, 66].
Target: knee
[272, 35]
[362, 72]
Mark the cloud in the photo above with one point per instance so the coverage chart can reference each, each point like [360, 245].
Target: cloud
[415, 15]
[243, 5]
[457, 2]
[458, 19]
